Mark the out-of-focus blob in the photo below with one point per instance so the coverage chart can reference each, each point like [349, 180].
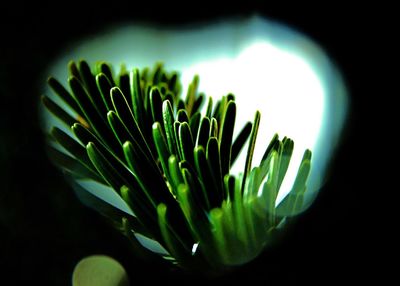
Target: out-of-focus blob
[100, 270]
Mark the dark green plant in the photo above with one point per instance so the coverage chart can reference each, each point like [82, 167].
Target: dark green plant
[169, 159]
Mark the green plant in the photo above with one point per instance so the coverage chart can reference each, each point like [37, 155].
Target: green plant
[170, 161]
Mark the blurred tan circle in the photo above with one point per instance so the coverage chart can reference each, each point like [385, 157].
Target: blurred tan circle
[99, 270]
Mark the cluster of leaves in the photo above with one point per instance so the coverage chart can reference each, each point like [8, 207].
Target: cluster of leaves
[169, 160]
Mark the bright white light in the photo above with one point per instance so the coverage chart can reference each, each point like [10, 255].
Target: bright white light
[278, 83]
[194, 248]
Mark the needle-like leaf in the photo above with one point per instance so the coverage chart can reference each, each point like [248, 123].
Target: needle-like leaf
[225, 135]
[171, 165]
[55, 109]
[250, 151]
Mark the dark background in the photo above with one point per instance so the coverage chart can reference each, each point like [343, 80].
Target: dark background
[45, 230]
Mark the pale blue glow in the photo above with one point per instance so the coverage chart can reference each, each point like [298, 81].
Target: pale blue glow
[267, 66]
[151, 244]
[105, 193]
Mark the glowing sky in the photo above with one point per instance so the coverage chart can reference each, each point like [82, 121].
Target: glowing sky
[269, 67]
